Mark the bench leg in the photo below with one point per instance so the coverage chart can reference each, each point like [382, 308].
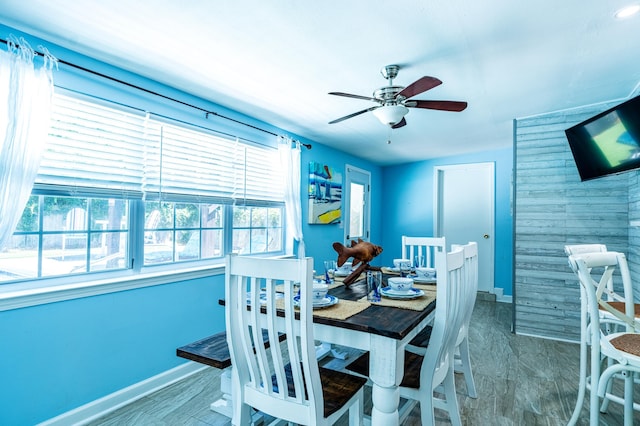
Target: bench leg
[224, 405]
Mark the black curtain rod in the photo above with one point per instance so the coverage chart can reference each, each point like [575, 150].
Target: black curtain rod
[207, 113]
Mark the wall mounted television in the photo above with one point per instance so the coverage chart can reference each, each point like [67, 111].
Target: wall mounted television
[607, 143]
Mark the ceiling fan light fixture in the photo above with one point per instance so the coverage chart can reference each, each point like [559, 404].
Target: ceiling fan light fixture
[390, 114]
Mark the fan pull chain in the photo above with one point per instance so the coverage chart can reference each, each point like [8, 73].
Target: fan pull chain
[389, 137]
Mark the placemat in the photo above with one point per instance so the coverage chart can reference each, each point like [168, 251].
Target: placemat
[341, 310]
[425, 287]
[389, 271]
[334, 284]
[417, 304]
[339, 280]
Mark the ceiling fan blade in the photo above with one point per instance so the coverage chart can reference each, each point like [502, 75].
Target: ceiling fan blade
[421, 85]
[353, 115]
[399, 124]
[439, 105]
[349, 95]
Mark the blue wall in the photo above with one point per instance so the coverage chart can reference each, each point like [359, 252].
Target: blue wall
[59, 356]
[408, 207]
[319, 238]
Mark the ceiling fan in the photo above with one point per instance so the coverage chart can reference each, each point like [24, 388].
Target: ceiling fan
[394, 101]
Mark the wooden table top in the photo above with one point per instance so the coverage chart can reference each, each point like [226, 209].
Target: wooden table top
[386, 321]
[382, 320]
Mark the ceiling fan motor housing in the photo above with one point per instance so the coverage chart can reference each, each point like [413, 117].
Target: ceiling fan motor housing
[387, 95]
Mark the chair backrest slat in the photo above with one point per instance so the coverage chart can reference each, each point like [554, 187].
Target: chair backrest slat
[470, 275]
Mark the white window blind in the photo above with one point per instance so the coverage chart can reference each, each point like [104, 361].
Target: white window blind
[100, 149]
[93, 146]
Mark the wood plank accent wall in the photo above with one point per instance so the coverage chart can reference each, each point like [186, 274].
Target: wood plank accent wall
[553, 208]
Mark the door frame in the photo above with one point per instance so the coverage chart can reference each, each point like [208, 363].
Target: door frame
[349, 170]
[437, 207]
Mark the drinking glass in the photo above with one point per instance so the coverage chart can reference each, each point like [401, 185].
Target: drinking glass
[374, 285]
[329, 270]
[405, 268]
[419, 262]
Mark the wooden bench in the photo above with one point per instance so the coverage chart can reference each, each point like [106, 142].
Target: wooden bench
[214, 351]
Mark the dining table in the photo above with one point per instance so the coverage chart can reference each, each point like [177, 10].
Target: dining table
[382, 328]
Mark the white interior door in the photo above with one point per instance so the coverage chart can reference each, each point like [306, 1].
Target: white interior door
[356, 204]
[464, 211]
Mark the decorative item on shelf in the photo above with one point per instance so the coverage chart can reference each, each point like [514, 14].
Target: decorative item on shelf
[362, 252]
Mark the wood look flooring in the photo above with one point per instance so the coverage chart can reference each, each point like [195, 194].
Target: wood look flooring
[520, 380]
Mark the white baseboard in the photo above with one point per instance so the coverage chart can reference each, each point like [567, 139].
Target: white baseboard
[112, 402]
[500, 297]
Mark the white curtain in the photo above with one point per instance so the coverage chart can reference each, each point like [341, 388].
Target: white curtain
[290, 162]
[26, 94]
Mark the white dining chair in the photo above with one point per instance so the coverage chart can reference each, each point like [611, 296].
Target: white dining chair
[424, 374]
[608, 321]
[431, 373]
[623, 348]
[462, 364]
[285, 383]
[462, 353]
[421, 247]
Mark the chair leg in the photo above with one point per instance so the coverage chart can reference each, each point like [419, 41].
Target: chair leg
[356, 411]
[594, 401]
[583, 369]
[427, 415]
[451, 403]
[628, 398]
[605, 401]
[465, 368]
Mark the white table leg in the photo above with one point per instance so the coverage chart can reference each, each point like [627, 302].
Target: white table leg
[385, 370]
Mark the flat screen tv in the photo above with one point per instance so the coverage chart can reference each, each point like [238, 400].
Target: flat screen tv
[607, 143]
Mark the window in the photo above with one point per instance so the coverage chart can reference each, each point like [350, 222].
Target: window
[175, 232]
[64, 235]
[257, 230]
[117, 184]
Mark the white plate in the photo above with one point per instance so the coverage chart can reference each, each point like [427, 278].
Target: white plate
[423, 280]
[326, 302]
[412, 293]
[263, 298]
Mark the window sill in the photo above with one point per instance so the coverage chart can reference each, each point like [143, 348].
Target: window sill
[16, 296]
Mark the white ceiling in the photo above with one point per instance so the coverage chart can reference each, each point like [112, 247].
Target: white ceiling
[277, 60]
